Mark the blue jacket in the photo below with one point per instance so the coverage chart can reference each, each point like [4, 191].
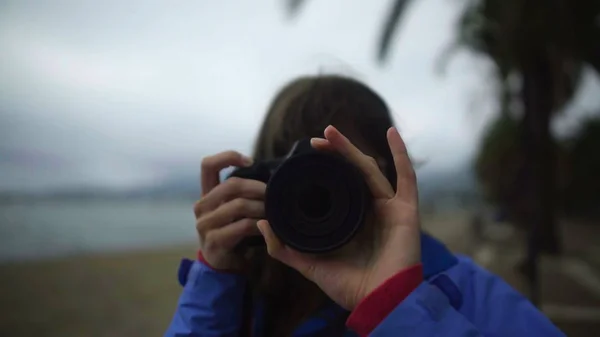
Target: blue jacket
[457, 298]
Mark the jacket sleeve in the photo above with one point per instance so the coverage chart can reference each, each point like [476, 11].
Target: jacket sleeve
[210, 304]
[426, 312]
[490, 308]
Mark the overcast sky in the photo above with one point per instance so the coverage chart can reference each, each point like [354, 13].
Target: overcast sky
[123, 93]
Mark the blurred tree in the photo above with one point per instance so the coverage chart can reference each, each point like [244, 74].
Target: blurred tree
[498, 161]
[545, 45]
[542, 43]
[498, 164]
[582, 195]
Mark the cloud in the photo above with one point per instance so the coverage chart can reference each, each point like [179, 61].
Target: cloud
[123, 93]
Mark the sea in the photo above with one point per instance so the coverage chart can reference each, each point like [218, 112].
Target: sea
[55, 228]
[50, 228]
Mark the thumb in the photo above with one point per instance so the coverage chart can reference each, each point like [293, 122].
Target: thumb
[279, 251]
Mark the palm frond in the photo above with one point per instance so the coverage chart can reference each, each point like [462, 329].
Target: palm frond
[442, 61]
[592, 48]
[389, 28]
[294, 6]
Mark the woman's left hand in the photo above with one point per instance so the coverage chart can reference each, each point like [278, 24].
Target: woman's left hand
[396, 216]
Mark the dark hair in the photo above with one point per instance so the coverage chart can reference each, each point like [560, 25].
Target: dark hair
[303, 108]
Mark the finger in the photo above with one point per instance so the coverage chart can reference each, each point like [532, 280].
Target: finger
[230, 212]
[321, 144]
[378, 183]
[406, 188]
[230, 189]
[318, 271]
[229, 236]
[283, 253]
[212, 166]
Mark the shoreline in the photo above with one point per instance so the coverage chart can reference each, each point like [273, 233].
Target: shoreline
[91, 254]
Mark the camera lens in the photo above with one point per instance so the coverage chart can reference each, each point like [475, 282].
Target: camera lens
[314, 202]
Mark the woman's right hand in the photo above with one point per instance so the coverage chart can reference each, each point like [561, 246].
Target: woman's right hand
[228, 211]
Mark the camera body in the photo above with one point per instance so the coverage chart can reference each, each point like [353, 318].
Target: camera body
[315, 201]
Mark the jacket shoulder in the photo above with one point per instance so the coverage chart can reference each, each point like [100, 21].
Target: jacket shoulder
[494, 306]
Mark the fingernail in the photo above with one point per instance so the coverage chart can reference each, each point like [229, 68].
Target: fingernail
[316, 140]
[259, 229]
[247, 161]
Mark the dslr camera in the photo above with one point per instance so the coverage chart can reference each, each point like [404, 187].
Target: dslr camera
[315, 201]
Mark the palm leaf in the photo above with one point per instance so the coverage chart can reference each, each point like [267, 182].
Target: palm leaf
[592, 48]
[389, 28]
[293, 6]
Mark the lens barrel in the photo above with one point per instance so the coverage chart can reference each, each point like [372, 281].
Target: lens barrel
[316, 201]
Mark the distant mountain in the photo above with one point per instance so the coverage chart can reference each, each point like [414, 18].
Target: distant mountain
[459, 180]
[448, 189]
[432, 185]
[178, 186]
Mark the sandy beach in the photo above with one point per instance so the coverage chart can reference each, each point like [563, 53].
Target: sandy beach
[120, 294]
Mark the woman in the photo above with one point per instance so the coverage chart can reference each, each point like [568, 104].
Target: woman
[403, 282]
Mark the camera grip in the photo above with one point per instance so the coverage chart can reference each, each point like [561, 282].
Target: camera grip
[249, 242]
[261, 172]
